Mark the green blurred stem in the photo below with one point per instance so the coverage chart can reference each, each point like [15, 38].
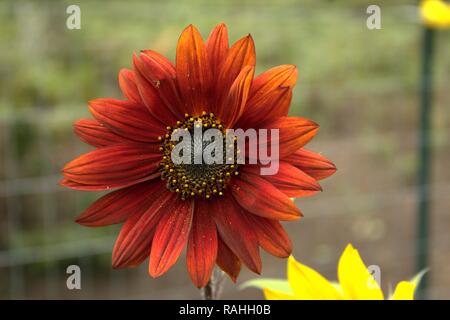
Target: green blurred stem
[214, 287]
[424, 168]
[207, 292]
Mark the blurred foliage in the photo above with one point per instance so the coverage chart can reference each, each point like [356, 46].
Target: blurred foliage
[353, 81]
[46, 66]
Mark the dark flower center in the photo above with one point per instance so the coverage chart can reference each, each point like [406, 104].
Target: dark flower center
[196, 177]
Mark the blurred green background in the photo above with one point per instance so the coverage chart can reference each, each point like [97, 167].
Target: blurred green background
[360, 85]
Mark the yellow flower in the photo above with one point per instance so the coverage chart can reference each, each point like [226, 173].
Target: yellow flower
[355, 282]
[435, 13]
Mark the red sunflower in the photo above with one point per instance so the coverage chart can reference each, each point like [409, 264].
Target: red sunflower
[222, 213]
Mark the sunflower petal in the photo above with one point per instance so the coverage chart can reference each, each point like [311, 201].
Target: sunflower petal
[308, 284]
[94, 133]
[117, 206]
[294, 133]
[354, 278]
[271, 236]
[313, 164]
[127, 83]
[270, 294]
[134, 242]
[227, 260]
[290, 180]
[241, 54]
[162, 65]
[151, 98]
[270, 95]
[202, 245]
[237, 97]
[171, 236]
[267, 83]
[160, 72]
[217, 48]
[127, 119]
[126, 256]
[193, 70]
[274, 106]
[404, 291]
[117, 165]
[260, 197]
[234, 230]
[101, 187]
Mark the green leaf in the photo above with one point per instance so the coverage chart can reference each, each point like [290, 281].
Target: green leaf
[418, 277]
[274, 284]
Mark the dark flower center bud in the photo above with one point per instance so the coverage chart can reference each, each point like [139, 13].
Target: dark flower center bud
[197, 176]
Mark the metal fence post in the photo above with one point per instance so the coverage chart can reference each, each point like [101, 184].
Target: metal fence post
[424, 167]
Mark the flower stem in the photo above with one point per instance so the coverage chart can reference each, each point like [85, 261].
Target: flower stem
[213, 288]
[207, 292]
[424, 171]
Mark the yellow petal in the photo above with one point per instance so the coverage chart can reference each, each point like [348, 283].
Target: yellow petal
[435, 13]
[355, 279]
[308, 284]
[404, 291]
[277, 295]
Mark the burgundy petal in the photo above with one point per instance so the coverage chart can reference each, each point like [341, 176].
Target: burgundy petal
[152, 99]
[290, 180]
[94, 133]
[127, 83]
[160, 72]
[193, 70]
[202, 245]
[134, 242]
[260, 197]
[127, 119]
[235, 231]
[117, 206]
[314, 164]
[171, 236]
[118, 165]
[271, 236]
[227, 260]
